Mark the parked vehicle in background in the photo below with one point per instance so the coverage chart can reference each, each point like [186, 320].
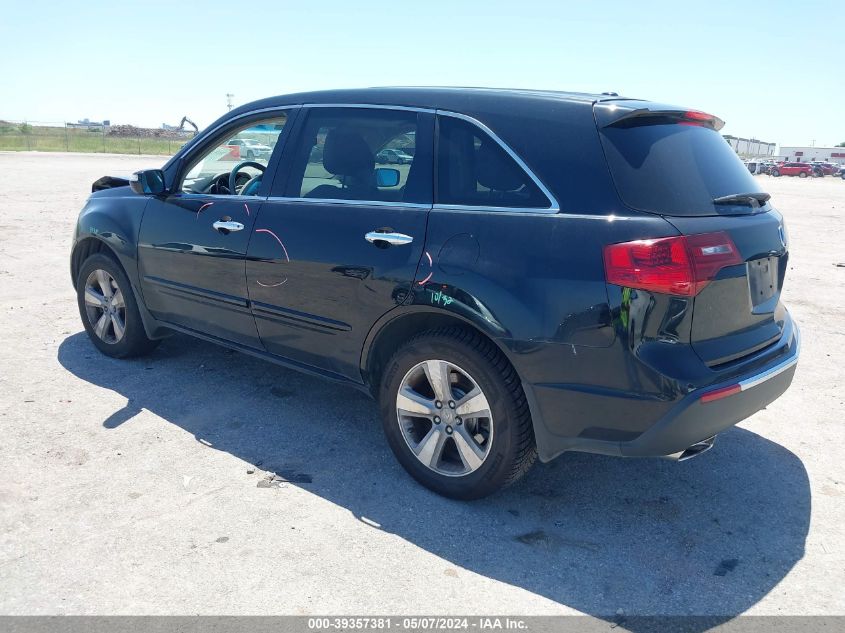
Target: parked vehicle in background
[482, 295]
[759, 167]
[826, 169]
[250, 149]
[802, 170]
[394, 157]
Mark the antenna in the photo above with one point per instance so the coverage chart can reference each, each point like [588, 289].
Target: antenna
[229, 97]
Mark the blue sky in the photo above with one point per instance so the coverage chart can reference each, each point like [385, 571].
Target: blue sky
[771, 69]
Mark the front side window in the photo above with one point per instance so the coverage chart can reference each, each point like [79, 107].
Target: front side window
[358, 154]
[474, 170]
[209, 171]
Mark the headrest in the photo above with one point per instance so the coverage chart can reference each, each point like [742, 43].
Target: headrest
[496, 170]
[346, 153]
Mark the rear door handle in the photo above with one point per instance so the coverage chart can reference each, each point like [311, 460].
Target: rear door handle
[227, 226]
[397, 239]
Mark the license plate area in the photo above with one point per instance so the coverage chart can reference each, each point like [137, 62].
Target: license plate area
[762, 279]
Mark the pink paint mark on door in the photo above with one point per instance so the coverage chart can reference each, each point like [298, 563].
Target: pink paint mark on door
[430, 274]
[277, 239]
[284, 250]
[207, 204]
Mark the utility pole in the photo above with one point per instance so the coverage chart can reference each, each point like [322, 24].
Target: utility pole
[229, 97]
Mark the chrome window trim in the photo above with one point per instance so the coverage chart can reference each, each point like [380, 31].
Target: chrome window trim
[370, 106]
[355, 203]
[212, 131]
[525, 210]
[554, 206]
[460, 208]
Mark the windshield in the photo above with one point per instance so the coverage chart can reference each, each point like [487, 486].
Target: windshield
[676, 169]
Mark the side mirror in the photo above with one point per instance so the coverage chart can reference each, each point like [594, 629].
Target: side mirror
[386, 177]
[149, 182]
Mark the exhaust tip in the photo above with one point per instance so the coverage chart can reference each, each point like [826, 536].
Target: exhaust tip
[694, 450]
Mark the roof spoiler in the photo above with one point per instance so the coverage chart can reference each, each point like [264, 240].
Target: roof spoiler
[633, 113]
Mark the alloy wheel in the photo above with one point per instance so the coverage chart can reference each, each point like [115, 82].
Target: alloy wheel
[445, 418]
[105, 307]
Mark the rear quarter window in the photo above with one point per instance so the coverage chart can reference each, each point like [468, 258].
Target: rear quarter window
[474, 170]
[675, 169]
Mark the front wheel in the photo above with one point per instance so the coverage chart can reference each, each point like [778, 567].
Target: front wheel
[802, 174]
[775, 173]
[108, 309]
[455, 415]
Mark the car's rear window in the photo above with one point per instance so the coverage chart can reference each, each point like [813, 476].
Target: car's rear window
[675, 169]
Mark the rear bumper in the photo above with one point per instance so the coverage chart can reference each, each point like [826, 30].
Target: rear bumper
[691, 420]
[694, 420]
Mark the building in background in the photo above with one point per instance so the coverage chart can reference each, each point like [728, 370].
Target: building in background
[751, 147]
[88, 124]
[812, 154]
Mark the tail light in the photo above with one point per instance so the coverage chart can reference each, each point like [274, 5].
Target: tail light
[694, 117]
[681, 265]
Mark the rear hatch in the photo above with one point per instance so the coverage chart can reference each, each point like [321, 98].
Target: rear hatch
[674, 163]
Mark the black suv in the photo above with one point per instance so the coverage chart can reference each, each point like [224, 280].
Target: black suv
[550, 272]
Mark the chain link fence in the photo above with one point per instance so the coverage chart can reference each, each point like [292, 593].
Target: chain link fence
[51, 136]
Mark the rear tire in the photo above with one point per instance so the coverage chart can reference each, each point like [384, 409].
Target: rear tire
[108, 309]
[465, 446]
[802, 174]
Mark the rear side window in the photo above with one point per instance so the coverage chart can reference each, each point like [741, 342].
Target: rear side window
[675, 168]
[474, 170]
[344, 154]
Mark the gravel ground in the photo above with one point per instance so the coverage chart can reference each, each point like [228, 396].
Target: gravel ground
[198, 480]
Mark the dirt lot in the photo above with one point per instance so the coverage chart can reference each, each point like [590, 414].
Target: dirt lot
[147, 486]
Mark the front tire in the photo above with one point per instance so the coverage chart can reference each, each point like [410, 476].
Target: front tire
[802, 174]
[455, 415]
[775, 173]
[108, 309]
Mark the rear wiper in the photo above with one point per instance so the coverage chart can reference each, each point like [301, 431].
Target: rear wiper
[751, 199]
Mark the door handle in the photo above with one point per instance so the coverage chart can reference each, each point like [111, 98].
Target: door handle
[227, 226]
[397, 239]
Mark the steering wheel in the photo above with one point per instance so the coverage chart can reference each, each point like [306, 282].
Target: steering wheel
[233, 175]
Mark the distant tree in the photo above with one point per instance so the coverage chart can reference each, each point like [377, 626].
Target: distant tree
[842, 144]
[25, 128]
